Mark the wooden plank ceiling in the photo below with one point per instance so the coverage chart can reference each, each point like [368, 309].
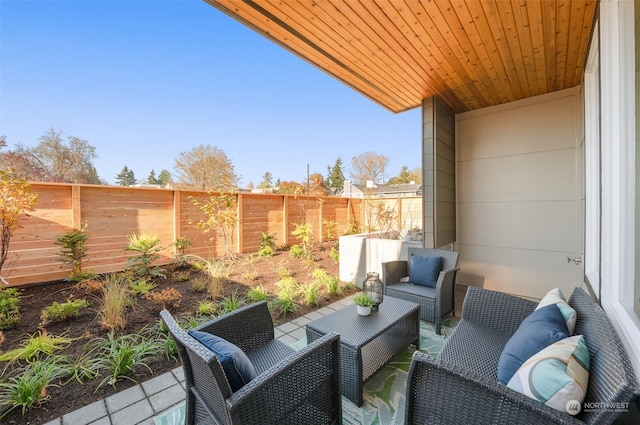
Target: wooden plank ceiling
[472, 53]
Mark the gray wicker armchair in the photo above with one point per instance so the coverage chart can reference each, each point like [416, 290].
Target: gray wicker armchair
[460, 384]
[435, 303]
[290, 388]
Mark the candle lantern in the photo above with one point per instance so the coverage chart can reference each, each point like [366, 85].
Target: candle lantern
[373, 287]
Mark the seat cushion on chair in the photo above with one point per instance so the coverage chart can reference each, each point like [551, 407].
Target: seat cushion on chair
[236, 364]
[540, 329]
[425, 270]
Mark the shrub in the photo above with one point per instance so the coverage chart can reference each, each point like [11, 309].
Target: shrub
[222, 217]
[267, 245]
[296, 251]
[141, 286]
[90, 285]
[168, 298]
[181, 276]
[73, 251]
[199, 284]
[120, 357]
[115, 299]
[36, 345]
[28, 387]
[334, 254]
[217, 272]
[310, 293]
[329, 227]
[182, 244]
[9, 308]
[207, 308]
[231, 303]
[252, 275]
[67, 310]
[322, 277]
[257, 293]
[286, 297]
[149, 248]
[283, 272]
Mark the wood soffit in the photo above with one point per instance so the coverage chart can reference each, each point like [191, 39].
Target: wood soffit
[471, 54]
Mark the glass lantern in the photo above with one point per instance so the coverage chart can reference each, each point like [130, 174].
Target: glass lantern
[373, 287]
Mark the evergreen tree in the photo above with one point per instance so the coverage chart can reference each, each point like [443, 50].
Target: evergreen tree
[267, 181]
[126, 177]
[335, 176]
[152, 178]
[164, 178]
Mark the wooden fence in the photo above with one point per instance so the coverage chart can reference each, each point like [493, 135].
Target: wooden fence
[114, 213]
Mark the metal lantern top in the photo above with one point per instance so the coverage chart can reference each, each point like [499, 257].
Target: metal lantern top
[373, 287]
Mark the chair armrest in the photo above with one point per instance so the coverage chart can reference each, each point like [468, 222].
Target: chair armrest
[445, 288]
[393, 271]
[496, 310]
[440, 393]
[248, 327]
[306, 383]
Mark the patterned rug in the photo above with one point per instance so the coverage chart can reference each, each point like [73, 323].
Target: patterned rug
[384, 394]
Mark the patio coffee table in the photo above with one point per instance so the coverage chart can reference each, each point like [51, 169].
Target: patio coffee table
[367, 343]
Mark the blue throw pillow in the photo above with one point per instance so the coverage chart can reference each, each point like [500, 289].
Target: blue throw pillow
[425, 270]
[236, 364]
[540, 329]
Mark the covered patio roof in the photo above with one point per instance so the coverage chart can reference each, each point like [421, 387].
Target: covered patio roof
[471, 54]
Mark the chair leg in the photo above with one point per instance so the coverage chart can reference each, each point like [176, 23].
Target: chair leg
[439, 327]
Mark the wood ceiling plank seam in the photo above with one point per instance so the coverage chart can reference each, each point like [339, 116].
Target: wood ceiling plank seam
[328, 37]
[423, 23]
[549, 34]
[494, 17]
[404, 18]
[253, 18]
[386, 11]
[483, 22]
[587, 29]
[521, 20]
[509, 14]
[577, 31]
[465, 49]
[433, 82]
[473, 32]
[534, 13]
[444, 33]
[356, 15]
[563, 21]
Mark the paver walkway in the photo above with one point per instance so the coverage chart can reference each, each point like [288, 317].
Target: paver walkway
[141, 403]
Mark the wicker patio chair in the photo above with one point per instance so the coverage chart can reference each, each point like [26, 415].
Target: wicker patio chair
[435, 303]
[290, 388]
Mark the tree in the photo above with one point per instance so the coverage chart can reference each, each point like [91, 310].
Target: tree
[316, 185]
[222, 217]
[267, 181]
[164, 178]
[335, 176]
[368, 166]
[206, 168]
[17, 197]
[126, 177]
[152, 179]
[407, 176]
[70, 163]
[290, 188]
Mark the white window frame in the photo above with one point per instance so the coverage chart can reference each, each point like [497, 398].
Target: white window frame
[617, 61]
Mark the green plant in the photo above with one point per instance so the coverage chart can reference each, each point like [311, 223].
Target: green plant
[257, 293]
[141, 286]
[73, 251]
[329, 227]
[231, 303]
[17, 198]
[218, 272]
[304, 233]
[120, 356]
[221, 219]
[322, 277]
[363, 299]
[297, 251]
[310, 293]
[159, 333]
[199, 284]
[207, 308]
[36, 345]
[181, 276]
[148, 247]
[182, 244]
[334, 254]
[168, 298]
[283, 271]
[28, 386]
[90, 285]
[267, 245]
[115, 299]
[286, 296]
[63, 311]
[353, 228]
[251, 275]
[9, 308]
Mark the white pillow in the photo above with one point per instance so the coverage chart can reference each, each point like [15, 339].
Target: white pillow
[555, 296]
[556, 375]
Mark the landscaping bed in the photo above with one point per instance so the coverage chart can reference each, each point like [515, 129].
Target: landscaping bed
[246, 271]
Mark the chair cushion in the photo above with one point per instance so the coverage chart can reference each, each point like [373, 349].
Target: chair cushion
[556, 375]
[425, 270]
[540, 329]
[555, 296]
[236, 364]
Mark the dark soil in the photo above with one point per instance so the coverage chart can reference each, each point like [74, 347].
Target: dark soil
[249, 270]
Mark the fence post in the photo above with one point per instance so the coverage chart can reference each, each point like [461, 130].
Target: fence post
[239, 221]
[76, 207]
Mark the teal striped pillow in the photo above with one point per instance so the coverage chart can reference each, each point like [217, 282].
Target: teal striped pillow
[556, 297]
[556, 375]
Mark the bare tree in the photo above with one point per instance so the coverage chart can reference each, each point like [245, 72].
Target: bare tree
[206, 168]
[368, 166]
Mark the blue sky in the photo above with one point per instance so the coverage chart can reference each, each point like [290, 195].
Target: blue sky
[143, 81]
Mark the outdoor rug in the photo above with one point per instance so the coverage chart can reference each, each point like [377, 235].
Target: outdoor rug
[384, 394]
